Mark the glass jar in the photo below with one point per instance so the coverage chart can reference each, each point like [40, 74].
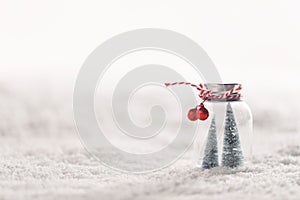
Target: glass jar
[225, 138]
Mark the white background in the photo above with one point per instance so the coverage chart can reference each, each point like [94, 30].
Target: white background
[44, 43]
[51, 39]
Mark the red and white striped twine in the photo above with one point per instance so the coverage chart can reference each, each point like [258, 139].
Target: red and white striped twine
[205, 94]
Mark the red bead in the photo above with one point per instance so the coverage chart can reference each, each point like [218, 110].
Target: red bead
[193, 114]
[202, 113]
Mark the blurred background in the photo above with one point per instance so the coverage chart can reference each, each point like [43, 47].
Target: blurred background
[43, 45]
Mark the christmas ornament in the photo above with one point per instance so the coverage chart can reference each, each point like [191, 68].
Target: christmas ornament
[193, 114]
[211, 159]
[231, 122]
[202, 112]
[232, 153]
[205, 94]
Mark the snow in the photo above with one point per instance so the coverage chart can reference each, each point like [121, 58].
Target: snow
[41, 158]
[50, 169]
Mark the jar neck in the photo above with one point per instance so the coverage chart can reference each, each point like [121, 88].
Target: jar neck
[224, 92]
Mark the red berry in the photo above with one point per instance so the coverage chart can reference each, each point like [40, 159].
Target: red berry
[202, 113]
[192, 114]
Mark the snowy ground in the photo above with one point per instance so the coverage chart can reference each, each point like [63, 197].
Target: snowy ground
[39, 168]
[42, 158]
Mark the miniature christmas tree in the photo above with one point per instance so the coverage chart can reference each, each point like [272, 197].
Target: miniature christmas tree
[232, 152]
[210, 159]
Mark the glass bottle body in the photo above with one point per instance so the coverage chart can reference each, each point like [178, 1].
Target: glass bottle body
[225, 138]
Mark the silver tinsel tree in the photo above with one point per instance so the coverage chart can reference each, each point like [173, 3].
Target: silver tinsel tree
[210, 159]
[232, 153]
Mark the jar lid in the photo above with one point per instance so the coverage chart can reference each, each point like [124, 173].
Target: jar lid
[224, 92]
